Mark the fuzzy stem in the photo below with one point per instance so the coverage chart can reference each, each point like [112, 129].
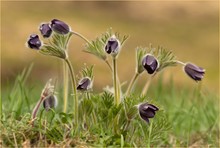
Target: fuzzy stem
[134, 79]
[36, 108]
[81, 36]
[75, 96]
[65, 86]
[179, 62]
[149, 136]
[110, 67]
[144, 92]
[93, 113]
[117, 98]
[0, 108]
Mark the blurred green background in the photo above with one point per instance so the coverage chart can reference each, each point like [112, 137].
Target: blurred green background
[189, 29]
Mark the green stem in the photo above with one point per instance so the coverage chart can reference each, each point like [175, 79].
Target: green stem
[181, 63]
[132, 83]
[93, 113]
[144, 92]
[117, 97]
[0, 108]
[75, 96]
[118, 82]
[81, 36]
[110, 67]
[149, 136]
[65, 86]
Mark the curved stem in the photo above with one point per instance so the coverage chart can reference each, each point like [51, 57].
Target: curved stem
[81, 36]
[75, 96]
[65, 86]
[132, 83]
[117, 97]
[179, 62]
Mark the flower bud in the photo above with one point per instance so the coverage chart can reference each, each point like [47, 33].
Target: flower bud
[34, 42]
[84, 84]
[45, 30]
[59, 26]
[194, 72]
[112, 46]
[147, 111]
[150, 63]
[50, 102]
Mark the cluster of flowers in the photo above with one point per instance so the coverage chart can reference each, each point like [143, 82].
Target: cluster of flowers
[112, 47]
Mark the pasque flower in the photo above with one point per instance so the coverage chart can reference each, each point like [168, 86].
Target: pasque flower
[45, 30]
[84, 84]
[194, 72]
[59, 26]
[112, 46]
[50, 102]
[147, 111]
[34, 42]
[150, 63]
[46, 93]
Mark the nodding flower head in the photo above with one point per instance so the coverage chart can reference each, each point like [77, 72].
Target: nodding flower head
[194, 72]
[59, 26]
[147, 111]
[34, 42]
[50, 102]
[150, 63]
[112, 46]
[45, 30]
[84, 84]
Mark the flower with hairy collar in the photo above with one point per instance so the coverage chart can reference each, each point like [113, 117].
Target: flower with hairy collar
[147, 111]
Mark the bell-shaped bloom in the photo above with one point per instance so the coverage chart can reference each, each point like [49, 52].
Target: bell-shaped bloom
[150, 63]
[112, 46]
[194, 72]
[59, 26]
[147, 111]
[50, 102]
[84, 84]
[34, 42]
[45, 30]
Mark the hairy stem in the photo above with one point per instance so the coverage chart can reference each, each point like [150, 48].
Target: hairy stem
[117, 97]
[181, 63]
[149, 136]
[65, 86]
[93, 113]
[0, 108]
[134, 79]
[75, 96]
[110, 67]
[82, 37]
[36, 108]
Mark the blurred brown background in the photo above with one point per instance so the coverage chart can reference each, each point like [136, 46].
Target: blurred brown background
[189, 29]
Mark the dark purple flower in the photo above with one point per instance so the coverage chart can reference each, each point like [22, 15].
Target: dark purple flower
[50, 102]
[84, 84]
[147, 111]
[150, 63]
[45, 30]
[34, 42]
[112, 45]
[194, 72]
[59, 26]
